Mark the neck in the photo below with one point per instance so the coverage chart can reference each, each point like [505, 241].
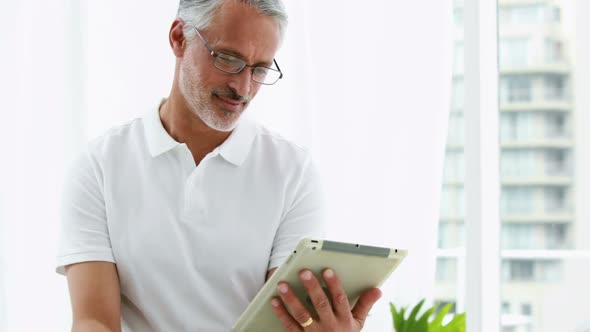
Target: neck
[187, 127]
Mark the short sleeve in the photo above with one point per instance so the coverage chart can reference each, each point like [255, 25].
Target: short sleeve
[304, 217]
[84, 232]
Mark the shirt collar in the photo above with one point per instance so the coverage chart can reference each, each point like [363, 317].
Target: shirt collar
[158, 139]
[235, 149]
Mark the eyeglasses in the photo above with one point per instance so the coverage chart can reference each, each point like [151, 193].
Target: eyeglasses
[234, 65]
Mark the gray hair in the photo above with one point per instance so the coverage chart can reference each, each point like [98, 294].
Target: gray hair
[199, 13]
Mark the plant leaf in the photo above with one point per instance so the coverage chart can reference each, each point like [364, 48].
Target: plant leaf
[397, 318]
[457, 324]
[436, 324]
[411, 321]
[420, 323]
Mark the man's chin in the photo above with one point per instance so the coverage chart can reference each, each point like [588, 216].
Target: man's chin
[223, 124]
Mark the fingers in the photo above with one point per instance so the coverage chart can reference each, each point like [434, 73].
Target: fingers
[298, 311]
[285, 318]
[320, 300]
[339, 297]
[333, 316]
[364, 304]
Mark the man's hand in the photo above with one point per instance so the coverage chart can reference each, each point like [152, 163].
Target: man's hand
[339, 318]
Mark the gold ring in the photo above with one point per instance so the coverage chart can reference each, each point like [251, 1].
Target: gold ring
[307, 322]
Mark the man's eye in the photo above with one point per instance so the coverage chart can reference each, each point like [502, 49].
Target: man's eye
[261, 71]
[228, 58]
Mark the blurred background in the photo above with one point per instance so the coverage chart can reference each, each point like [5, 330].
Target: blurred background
[544, 142]
[376, 92]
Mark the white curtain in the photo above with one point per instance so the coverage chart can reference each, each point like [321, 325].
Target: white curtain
[367, 87]
[34, 133]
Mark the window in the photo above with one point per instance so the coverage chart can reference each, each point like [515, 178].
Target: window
[517, 200]
[518, 126]
[554, 88]
[534, 236]
[450, 235]
[526, 309]
[555, 200]
[521, 14]
[522, 236]
[515, 163]
[518, 270]
[556, 236]
[515, 89]
[452, 202]
[555, 14]
[556, 162]
[556, 125]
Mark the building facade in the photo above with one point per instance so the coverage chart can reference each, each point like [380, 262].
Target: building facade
[542, 153]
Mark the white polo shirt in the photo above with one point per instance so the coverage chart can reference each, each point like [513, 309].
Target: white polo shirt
[192, 245]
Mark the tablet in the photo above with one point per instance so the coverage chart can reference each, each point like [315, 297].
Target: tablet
[358, 267]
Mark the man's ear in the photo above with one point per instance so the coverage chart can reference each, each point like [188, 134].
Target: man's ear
[176, 38]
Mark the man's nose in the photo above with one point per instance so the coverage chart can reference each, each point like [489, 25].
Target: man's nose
[242, 82]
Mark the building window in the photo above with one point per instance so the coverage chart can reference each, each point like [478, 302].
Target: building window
[451, 235]
[518, 270]
[556, 236]
[521, 236]
[515, 89]
[531, 270]
[554, 88]
[555, 14]
[555, 199]
[517, 200]
[452, 202]
[556, 162]
[527, 14]
[555, 125]
[526, 309]
[517, 126]
[519, 163]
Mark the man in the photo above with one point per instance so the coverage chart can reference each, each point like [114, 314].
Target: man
[171, 222]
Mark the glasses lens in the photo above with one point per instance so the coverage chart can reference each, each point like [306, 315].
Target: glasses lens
[265, 75]
[229, 63]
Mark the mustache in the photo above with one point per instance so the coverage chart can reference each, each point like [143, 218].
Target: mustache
[231, 94]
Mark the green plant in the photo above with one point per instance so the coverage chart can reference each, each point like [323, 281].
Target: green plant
[423, 323]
